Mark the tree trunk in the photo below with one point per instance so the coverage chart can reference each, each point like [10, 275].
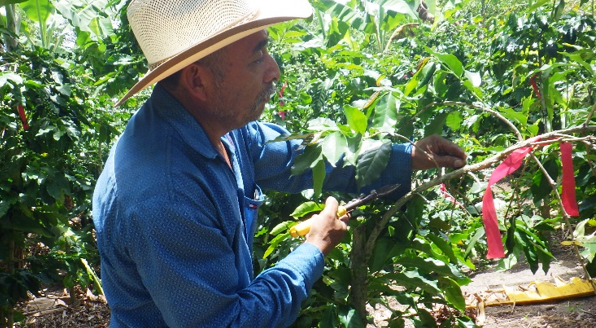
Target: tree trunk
[359, 270]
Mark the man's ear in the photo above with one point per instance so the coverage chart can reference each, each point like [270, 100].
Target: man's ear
[193, 79]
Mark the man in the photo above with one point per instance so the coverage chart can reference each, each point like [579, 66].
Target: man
[175, 207]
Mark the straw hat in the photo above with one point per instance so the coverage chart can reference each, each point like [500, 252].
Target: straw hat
[175, 33]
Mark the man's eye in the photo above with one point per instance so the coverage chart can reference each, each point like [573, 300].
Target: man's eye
[260, 57]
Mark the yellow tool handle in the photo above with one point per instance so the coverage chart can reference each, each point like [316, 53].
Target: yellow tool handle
[302, 228]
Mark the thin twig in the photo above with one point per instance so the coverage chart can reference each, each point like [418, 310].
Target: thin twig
[590, 115]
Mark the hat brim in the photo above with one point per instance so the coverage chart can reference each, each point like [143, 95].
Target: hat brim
[274, 12]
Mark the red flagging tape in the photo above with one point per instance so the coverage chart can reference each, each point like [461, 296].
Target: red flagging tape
[489, 214]
[510, 165]
[23, 117]
[568, 192]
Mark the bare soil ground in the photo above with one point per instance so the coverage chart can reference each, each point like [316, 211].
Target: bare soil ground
[569, 313]
[54, 309]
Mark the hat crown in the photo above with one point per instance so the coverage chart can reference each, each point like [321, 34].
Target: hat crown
[164, 28]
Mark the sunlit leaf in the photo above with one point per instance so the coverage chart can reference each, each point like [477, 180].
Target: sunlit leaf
[334, 147]
[385, 115]
[307, 208]
[474, 78]
[450, 61]
[356, 119]
[282, 227]
[38, 10]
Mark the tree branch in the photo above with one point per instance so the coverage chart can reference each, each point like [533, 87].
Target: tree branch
[497, 158]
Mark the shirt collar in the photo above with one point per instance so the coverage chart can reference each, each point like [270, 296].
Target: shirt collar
[172, 111]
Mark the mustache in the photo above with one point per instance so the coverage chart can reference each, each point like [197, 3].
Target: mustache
[265, 96]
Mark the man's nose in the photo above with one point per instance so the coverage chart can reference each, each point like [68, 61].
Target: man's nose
[273, 72]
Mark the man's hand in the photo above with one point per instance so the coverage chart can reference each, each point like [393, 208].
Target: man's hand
[435, 151]
[326, 229]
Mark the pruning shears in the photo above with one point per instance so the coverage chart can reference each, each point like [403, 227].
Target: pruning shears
[303, 227]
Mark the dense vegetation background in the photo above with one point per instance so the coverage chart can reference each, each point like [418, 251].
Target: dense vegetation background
[358, 75]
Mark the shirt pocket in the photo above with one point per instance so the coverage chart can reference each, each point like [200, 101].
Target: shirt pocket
[251, 209]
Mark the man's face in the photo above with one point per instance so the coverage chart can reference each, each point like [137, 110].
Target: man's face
[244, 81]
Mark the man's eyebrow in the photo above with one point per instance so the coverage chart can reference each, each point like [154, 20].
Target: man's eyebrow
[261, 45]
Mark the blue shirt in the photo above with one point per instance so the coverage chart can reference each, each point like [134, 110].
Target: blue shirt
[175, 224]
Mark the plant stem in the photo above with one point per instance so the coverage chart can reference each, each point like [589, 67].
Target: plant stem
[590, 114]
[359, 265]
[11, 42]
[320, 19]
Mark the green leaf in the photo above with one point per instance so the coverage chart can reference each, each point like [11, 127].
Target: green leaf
[421, 77]
[385, 115]
[589, 245]
[312, 154]
[372, 161]
[335, 145]
[4, 206]
[474, 78]
[436, 125]
[385, 249]
[452, 293]
[306, 208]
[88, 16]
[450, 61]
[426, 320]
[400, 6]
[412, 278]
[517, 117]
[330, 316]
[454, 120]
[10, 76]
[537, 5]
[318, 177]
[274, 243]
[282, 227]
[476, 91]
[444, 245]
[356, 119]
[38, 10]
[10, 2]
[440, 84]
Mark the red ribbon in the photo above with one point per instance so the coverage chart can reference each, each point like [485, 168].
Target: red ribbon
[568, 192]
[534, 86]
[489, 214]
[282, 113]
[508, 166]
[448, 196]
[23, 117]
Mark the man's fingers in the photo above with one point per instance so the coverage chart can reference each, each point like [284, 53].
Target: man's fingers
[345, 218]
[450, 161]
[452, 149]
[436, 151]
